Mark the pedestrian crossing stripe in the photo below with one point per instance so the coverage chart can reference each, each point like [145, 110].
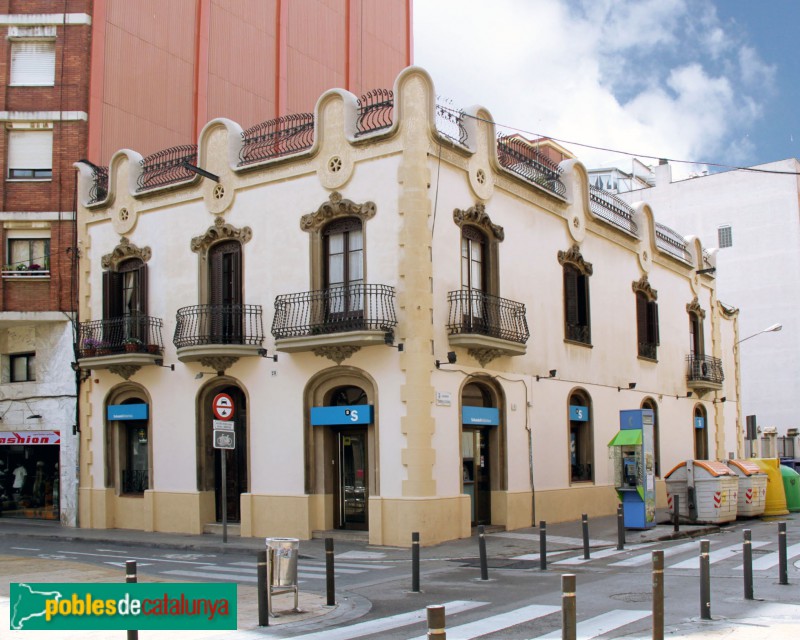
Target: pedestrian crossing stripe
[498, 622]
[772, 559]
[602, 624]
[715, 556]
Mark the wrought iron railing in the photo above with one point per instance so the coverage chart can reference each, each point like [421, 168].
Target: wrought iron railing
[671, 242]
[209, 324]
[277, 137]
[167, 167]
[704, 369]
[648, 350]
[359, 307]
[450, 123]
[375, 111]
[612, 209]
[526, 161]
[128, 333]
[135, 480]
[579, 332]
[99, 189]
[473, 311]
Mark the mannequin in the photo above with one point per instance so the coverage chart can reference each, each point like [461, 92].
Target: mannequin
[19, 473]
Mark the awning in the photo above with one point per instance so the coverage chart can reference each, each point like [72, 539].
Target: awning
[626, 437]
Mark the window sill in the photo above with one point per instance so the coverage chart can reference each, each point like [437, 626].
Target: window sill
[647, 359]
[583, 482]
[589, 345]
[35, 275]
[29, 179]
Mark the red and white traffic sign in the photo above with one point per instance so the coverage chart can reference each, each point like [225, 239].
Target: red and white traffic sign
[222, 406]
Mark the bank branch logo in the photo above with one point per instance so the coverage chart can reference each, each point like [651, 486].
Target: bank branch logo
[104, 606]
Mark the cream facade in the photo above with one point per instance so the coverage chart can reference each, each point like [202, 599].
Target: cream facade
[512, 287]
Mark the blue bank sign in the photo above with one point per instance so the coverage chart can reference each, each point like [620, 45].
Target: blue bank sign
[480, 416]
[353, 414]
[127, 412]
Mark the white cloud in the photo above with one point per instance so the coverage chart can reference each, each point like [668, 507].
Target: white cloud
[660, 77]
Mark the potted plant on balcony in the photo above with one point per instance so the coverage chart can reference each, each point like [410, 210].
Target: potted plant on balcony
[103, 348]
[90, 347]
[133, 345]
[153, 348]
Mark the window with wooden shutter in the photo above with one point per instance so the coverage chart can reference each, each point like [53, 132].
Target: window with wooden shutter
[33, 63]
[30, 155]
[225, 292]
[576, 305]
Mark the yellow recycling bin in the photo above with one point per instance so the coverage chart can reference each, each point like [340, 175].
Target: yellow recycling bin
[776, 494]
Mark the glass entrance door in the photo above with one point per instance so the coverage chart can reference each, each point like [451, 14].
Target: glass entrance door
[475, 473]
[352, 491]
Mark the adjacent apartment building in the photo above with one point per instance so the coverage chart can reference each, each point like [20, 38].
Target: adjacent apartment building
[381, 317]
[80, 79]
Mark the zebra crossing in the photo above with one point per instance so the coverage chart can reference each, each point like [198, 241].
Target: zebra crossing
[246, 572]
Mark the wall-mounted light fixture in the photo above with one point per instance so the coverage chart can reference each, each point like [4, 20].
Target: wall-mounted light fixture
[451, 359]
[263, 354]
[631, 385]
[551, 374]
[34, 416]
[160, 363]
[388, 340]
[688, 394]
[719, 400]
[701, 272]
[208, 373]
[199, 171]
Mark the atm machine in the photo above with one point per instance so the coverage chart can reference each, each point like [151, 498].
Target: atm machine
[634, 468]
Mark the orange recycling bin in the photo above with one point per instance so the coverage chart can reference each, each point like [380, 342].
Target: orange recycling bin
[752, 488]
[708, 491]
[776, 494]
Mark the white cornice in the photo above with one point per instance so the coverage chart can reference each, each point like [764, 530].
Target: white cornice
[57, 116]
[46, 18]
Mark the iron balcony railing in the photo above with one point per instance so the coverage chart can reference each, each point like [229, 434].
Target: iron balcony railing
[704, 369]
[648, 350]
[612, 209]
[210, 324]
[450, 124]
[99, 189]
[128, 333]
[526, 161]
[357, 307]
[473, 311]
[277, 137]
[671, 242]
[375, 111]
[167, 167]
[135, 480]
[579, 332]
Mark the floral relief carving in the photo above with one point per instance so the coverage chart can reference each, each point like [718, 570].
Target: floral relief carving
[574, 257]
[221, 230]
[694, 308]
[124, 250]
[485, 356]
[336, 207]
[337, 353]
[124, 370]
[477, 216]
[643, 286]
[219, 363]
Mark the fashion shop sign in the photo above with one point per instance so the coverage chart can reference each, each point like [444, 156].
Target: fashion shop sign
[30, 437]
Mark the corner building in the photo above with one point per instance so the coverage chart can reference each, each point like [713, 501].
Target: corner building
[530, 308]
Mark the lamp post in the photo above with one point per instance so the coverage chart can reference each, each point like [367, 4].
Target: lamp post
[775, 327]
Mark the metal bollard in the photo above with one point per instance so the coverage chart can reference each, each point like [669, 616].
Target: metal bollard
[569, 608]
[676, 514]
[784, 570]
[436, 630]
[130, 578]
[658, 595]
[705, 581]
[620, 529]
[543, 545]
[747, 556]
[415, 562]
[482, 550]
[330, 580]
[585, 525]
[261, 577]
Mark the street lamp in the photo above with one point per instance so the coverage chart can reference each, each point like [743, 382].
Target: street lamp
[775, 327]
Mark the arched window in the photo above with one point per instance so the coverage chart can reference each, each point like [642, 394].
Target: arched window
[128, 446]
[649, 403]
[581, 438]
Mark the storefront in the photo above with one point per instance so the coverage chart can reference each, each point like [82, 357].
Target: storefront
[29, 474]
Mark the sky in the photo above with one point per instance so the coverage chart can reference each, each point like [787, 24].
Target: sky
[707, 81]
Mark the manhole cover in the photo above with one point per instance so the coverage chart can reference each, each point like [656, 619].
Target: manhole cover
[633, 597]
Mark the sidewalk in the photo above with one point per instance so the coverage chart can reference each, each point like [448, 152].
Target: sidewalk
[314, 614]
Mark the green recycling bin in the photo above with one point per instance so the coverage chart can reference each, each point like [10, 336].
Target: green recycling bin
[791, 485]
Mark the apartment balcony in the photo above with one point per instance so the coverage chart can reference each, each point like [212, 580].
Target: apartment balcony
[704, 373]
[217, 335]
[335, 322]
[488, 326]
[122, 345]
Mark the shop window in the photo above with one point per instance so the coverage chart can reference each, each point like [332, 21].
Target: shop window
[22, 367]
[581, 438]
[128, 449]
[27, 256]
[33, 63]
[135, 467]
[30, 155]
[577, 316]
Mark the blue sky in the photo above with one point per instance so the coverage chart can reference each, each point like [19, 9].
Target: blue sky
[704, 80]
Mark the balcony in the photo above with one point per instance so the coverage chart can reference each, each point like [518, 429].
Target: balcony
[334, 322]
[704, 373]
[122, 345]
[486, 325]
[217, 335]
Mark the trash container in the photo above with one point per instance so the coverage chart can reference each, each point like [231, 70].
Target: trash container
[708, 491]
[791, 484]
[752, 488]
[282, 561]
[776, 494]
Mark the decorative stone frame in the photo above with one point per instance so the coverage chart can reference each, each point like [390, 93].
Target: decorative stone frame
[124, 251]
[694, 308]
[313, 223]
[643, 286]
[220, 231]
[477, 217]
[573, 257]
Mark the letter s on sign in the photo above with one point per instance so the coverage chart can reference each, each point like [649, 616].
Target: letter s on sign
[354, 415]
